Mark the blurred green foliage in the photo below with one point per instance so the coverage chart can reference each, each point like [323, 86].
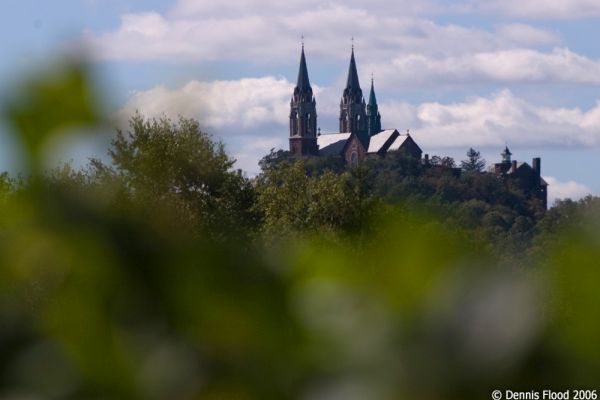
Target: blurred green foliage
[165, 274]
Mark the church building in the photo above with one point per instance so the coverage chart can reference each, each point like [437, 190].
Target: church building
[360, 134]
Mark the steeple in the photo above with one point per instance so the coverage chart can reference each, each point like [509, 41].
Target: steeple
[373, 116]
[303, 83]
[353, 117]
[372, 99]
[506, 155]
[352, 81]
[303, 114]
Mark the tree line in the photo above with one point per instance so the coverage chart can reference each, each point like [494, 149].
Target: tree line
[166, 273]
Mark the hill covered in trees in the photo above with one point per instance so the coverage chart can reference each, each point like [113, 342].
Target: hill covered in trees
[165, 273]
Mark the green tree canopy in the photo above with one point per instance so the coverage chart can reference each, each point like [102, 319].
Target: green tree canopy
[473, 163]
[164, 163]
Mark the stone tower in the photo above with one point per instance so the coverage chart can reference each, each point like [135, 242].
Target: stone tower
[353, 117]
[373, 116]
[303, 115]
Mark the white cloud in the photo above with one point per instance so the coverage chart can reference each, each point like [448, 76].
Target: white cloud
[187, 8]
[565, 190]
[495, 120]
[244, 103]
[267, 31]
[504, 66]
[551, 9]
[528, 35]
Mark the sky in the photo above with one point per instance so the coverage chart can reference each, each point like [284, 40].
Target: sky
[458, 74]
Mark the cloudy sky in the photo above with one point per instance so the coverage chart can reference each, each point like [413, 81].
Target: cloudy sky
[480, 73]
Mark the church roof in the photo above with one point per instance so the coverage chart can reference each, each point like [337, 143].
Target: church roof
[303, 82]
[520, 165]
[379, 140]
[352, 81]
[332, 143]
[398, 142]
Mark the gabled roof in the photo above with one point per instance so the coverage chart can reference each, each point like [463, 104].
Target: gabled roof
[524, 165]
[332, 143]
[379, 140]
[520, 164]
[400, 140]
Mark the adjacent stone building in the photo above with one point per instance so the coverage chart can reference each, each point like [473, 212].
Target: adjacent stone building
[527, 177]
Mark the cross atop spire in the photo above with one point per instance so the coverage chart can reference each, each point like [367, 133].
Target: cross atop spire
[303, 83]
[372, 99]
[352, 81]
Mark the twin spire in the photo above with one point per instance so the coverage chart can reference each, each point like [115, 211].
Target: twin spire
[355, 115]
[352, 83]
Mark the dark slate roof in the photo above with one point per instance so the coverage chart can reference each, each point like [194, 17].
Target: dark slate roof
[379, 141]
[332, 143]
[303, 82]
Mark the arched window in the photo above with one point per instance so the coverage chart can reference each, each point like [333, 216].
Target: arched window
[354, 159]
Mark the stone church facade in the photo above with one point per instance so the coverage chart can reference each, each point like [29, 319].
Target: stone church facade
[360, 133]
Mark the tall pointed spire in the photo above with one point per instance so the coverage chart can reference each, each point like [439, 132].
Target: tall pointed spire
[303, 83]
[372, 99]
[373, 116]
[303, 114]
[352, 82]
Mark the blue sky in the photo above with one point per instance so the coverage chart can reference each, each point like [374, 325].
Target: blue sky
[481, 73]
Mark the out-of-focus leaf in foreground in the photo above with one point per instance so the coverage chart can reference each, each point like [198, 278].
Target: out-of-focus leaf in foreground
[168, 275]
[54, 101]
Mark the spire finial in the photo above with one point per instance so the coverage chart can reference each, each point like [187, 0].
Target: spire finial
[302, 40]
[352, 43]
[371, 78]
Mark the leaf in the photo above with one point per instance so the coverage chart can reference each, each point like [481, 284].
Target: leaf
[50, 104]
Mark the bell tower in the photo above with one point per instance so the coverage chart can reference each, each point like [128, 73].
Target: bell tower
[353, 117]
[303, 114]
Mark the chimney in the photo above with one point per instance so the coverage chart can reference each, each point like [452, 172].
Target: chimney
[513, 166]
[536, 164]
[426, 160]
